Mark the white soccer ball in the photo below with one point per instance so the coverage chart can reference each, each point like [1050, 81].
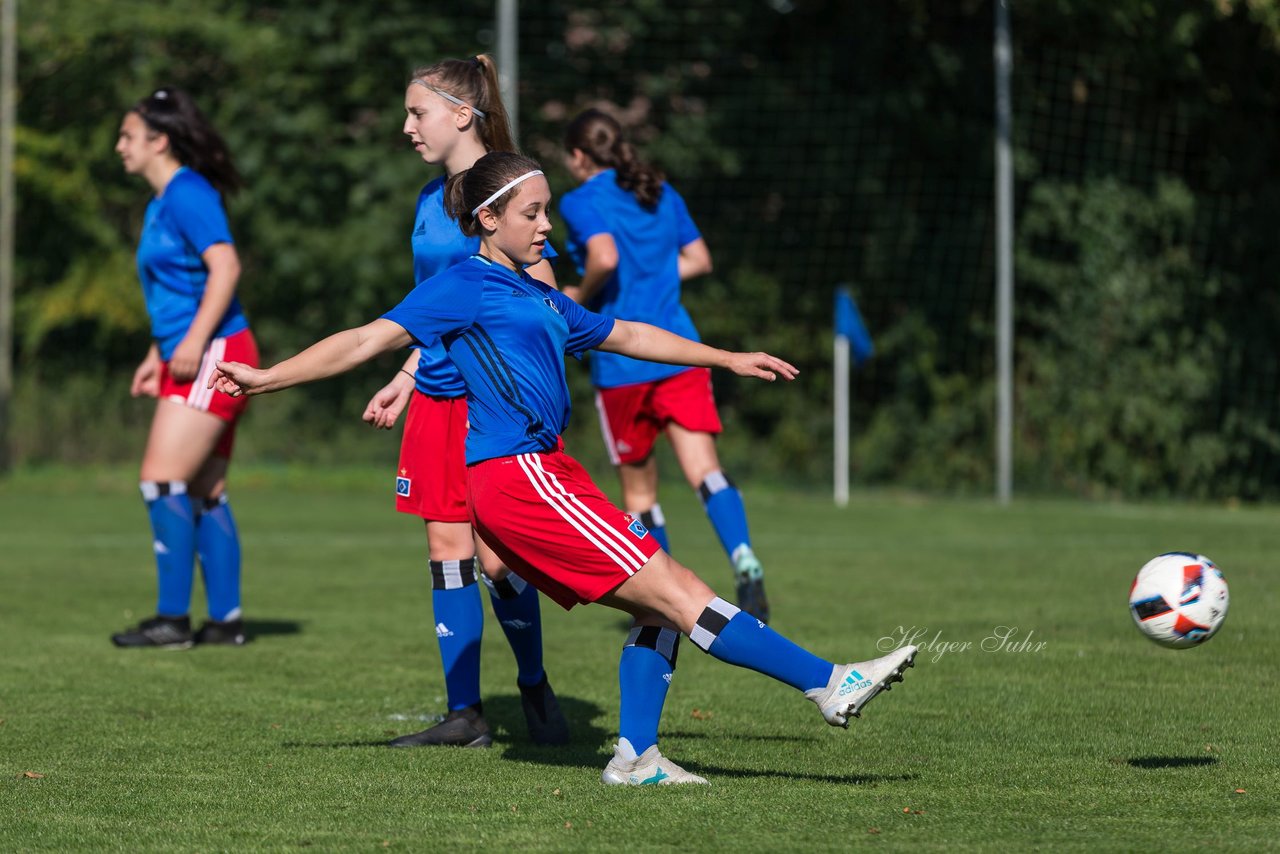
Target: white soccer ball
[1179, 599]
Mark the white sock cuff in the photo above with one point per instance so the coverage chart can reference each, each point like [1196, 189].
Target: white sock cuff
[711, 622]
[153, 489]
[505, 588]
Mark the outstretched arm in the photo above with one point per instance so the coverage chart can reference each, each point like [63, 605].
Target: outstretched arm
[642, 341]
[334, 355]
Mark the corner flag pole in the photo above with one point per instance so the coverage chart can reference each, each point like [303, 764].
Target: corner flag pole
[1004, 257]
[851, 340]
[8, 118]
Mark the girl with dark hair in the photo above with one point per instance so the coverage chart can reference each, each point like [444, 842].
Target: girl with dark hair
[189, 269]
[534, 505]
[454, 115]
[634, 242]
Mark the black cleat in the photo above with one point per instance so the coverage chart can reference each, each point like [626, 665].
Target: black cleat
[542, 713]
[460, 728]
[752, 599]
[216, 632]
[158, 632]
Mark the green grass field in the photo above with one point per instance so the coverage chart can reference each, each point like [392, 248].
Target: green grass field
[1096, 740]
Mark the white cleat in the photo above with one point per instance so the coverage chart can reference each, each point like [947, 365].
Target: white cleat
[852, 686]
[650, 768]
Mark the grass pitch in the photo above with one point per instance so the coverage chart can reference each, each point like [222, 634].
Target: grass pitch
[1072, 732]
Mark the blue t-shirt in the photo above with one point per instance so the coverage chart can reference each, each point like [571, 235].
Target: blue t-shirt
[438, 244]
[507, 333]
[180, 224]
[646, 285]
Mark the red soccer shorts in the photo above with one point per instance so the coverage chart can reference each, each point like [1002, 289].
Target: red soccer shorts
[432, 479]
[239, 347]
[548, 522]
[632, 416]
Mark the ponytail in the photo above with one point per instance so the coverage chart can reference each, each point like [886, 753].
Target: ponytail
[599, 136]
[192, 138]
[474, 82]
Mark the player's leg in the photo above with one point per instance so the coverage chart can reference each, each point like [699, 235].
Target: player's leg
[645, 672]
[726, 632]
[218, 547]
[629, 432]
[217, 539]
[685, 406]
[515, 604]
[430, 484]
[640, 496]
[180, 441]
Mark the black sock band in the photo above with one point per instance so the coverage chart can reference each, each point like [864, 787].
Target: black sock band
[711, 622]
[665, 642]
[715, 482]
[453, 574]
[653, 518]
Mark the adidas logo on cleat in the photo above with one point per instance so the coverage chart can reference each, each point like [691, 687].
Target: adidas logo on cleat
[855, 681]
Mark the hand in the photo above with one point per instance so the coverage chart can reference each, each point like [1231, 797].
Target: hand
[236, 378]
[185, 362]
[146, 379]
[385, 406]
[760, 365]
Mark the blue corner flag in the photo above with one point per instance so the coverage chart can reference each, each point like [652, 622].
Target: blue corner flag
[849, 324]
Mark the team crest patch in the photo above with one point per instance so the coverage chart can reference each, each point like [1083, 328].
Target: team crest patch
[637, 527]
[402, 486]
[551, 304]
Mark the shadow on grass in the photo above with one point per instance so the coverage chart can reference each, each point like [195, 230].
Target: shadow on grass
[585, 737]
[839, 779]
[1172, 761]
[261, 628]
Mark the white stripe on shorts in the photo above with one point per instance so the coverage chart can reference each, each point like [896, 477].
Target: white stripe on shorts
[200, 395]
[606, 431]
[599, 533]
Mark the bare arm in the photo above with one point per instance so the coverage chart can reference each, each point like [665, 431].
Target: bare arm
[334, 355]
[695, 260]
[543, 272]
[219, 289]
[602, 261]
[642, 341]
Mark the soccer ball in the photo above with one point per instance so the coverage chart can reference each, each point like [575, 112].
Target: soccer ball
[1179, 599]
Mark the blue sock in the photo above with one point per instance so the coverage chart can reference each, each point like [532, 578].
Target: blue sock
[515, 604]
[737, 637]
[657, 525]
[173, 530]
[644, 674]
[455, 603]
[218, 545]
[728, 515]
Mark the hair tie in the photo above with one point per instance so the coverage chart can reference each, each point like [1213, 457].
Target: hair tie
[503, 189]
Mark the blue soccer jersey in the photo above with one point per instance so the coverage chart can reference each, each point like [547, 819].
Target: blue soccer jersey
[507, 333]
[438, 244]
[180, 224]
[646, 285]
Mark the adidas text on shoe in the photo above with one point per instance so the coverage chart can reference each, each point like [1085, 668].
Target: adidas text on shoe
[157, 633]
[460, 728]
[650, 768]
[852, 686]
[223, 633]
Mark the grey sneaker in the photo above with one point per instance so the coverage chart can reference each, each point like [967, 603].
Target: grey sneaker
[650, 768]
[852, 686]
[157, 632]
[460, 728]
[749, 579]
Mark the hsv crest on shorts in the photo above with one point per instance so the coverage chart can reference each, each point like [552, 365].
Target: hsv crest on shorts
[637, 527]
[402, 486]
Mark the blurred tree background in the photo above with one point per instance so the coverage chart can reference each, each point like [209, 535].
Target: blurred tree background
[817, 142]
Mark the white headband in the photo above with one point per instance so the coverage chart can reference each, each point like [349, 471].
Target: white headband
[505, 187]
[447, 96]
